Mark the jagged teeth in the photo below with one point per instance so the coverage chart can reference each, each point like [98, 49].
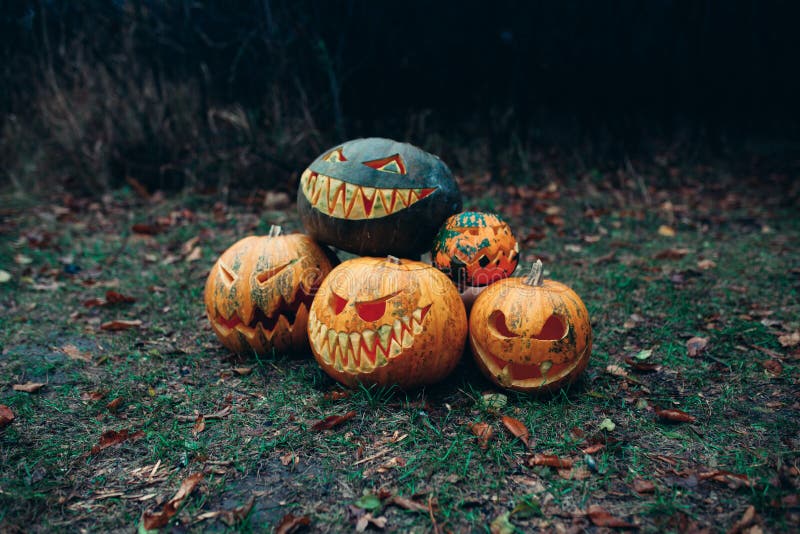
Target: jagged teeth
[348, 201]
[354, 351]
[545, 366]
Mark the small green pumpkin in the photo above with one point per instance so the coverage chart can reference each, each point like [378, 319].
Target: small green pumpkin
[376, 197]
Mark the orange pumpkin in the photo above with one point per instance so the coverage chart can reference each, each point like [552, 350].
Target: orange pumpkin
[529, 334]
[259, 292]
[475, 249]
[387, 321]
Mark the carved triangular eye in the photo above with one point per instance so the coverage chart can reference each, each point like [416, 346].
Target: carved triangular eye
[268, 273]
[393, 164]
[374, 309]
[228, 275]
[335, 156]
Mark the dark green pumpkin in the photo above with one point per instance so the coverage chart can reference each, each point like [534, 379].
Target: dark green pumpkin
[376, 196]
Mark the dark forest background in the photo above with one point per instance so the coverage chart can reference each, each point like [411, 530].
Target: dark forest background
[213, 95]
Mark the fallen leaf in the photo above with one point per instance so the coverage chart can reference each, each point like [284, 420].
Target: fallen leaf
[674, 416]
[574, 473]
[494, 401]
[484, 433]
[747, 519]
[733, 480]
[601, 518]
[332, 421]
[789, 340]
[229, 517]
[93, 395]
[407, 504]
[146, 229]
[616, 370]
[641, 485]
[666, 231]
[365, 520]
[195, 254]
[336, 394]
[291, 523]
[22, 259]
[607, 424]
[643, 354]
[92, 302]
[391, 463]
[706, 264]
[120, 324]
[74, 353]
[112, 297]
[28, 387]
[199, 425]
[110, 438]
[114, 404]
[594, 448]
[502, 525]
[671, 254]
[5, 276]
[517, 428]
[773, 367]
[642, 367]
[242, 371]
[696, 345]
[155, 520]
[549, 460]
[6, 415]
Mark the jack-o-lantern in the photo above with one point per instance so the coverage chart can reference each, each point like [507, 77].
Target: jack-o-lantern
[377, 196]
[529, 334]
[259, 292]
[475, 249]
[387, 321]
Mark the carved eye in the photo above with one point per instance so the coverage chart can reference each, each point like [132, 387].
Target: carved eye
[227, 274]
[337, 303]
[393, 164]
[264, 276]
[373, 309]
[335, 156]
[497, 323]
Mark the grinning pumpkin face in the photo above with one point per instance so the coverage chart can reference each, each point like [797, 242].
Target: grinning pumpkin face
[387, 321]
[377, 196]
[475, 249]
[259, 292]
[529, 334]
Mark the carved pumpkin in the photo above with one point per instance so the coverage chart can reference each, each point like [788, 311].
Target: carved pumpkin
[387, 321]
[529, 334]
[259, 292]
[475, 249]
[377, 196]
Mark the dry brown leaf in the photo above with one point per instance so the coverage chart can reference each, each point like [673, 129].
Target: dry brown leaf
[484, 433]
[332, 421]
[6, 415]
[616, 370]
[112, 297]
[146, 229]
[289, 458]
[773, 367]
[666, 231]
[195, 254]
[672, 415]
[517, 428]
[291, 523]
[733, 480]
[549, 460]
[120, 324]
[154, 520]
[74, 353]
[229, 517]
[641, 485]
[336, 394]
[110, 438]
[672, 254]
[93, 395]
[189, 245]
[601, 518]
[242, 371]
[789, 340]
[642, 367]
[696, 345]
[365, 520]
[747, 519]
[114, 404]
[28, 387]
[592, 449]
[706, 264]
[407, 504]
[199, 425]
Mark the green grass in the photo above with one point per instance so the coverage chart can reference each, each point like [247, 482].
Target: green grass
[173, 366]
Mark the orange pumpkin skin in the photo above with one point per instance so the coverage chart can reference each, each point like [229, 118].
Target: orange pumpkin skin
[530, 338]
[475, 249]
[387, 321]
[258, 293]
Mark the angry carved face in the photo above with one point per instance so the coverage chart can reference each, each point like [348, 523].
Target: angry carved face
[260, 290]
[380, 321]
[376, 196]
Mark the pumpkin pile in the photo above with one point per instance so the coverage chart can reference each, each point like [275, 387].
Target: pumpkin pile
[387, 318]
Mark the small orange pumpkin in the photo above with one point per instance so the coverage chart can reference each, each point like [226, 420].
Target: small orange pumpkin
[387, 321]
[475, 249]
[529, 334]
[259, 292]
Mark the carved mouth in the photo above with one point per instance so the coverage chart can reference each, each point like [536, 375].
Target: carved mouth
[283, 319]
[344, 200]
[366, 350]
[541, 373]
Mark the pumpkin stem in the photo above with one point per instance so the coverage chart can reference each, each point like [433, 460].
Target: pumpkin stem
[534, 278]
[274, 230]
[393, 259]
